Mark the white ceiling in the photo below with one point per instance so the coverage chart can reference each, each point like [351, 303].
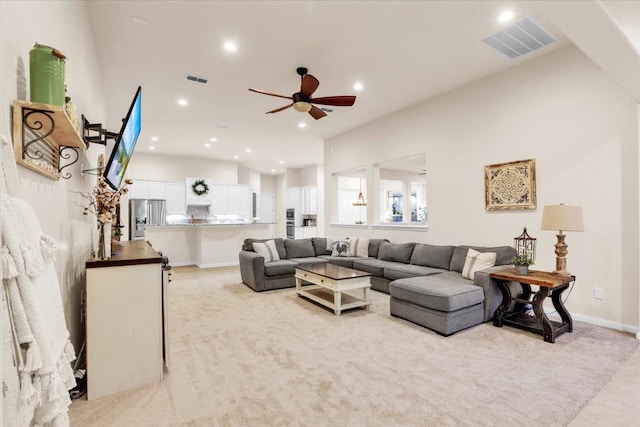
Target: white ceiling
[402, 51]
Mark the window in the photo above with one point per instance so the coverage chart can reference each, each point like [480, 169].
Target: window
[399, 194]
[350, 186]
[402, 191]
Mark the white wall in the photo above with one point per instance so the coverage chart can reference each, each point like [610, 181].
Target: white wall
[560, 109]
[65, 26]
[249, 177]
[268, 183]
[308, 176]
[175, 168]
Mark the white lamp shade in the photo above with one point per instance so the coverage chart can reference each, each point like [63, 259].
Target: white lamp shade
[562, 218]
[302, 107]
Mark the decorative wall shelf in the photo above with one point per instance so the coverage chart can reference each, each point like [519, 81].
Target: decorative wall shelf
[43, 135]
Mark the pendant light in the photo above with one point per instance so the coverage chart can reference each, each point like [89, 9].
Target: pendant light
[360, 201]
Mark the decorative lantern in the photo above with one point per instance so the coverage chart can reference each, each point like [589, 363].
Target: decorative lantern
[525, 244]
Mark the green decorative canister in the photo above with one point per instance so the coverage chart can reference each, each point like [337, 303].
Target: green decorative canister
[46, 68]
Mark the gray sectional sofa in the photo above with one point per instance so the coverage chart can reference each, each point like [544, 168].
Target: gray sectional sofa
[425, 282]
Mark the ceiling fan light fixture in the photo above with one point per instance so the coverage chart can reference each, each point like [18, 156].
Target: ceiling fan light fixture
[302, 107]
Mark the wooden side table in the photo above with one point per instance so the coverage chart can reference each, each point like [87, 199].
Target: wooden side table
[547, 282]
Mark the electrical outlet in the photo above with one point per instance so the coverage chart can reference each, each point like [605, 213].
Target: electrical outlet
[598, 293]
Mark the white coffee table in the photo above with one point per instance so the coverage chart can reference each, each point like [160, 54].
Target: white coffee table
[328, 281]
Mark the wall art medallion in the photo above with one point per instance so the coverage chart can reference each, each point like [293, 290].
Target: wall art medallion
[510, 186]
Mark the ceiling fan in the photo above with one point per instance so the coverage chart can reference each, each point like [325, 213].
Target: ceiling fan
[302, 101]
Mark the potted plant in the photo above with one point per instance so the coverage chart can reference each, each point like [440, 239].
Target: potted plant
[522, 263]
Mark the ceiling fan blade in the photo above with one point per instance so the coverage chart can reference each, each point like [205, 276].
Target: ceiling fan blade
[279, 109]
[309, 85]
[270, 94]
[316, 113]
[338, 101]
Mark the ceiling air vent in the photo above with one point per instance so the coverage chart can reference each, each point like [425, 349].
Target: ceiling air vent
[196, 79]
[522, 37]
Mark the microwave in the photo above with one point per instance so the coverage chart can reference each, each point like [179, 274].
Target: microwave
[291, 214]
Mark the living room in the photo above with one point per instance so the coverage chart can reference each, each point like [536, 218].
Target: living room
[573, 110]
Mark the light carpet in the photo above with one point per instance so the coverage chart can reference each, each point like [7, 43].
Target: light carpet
[241, 358]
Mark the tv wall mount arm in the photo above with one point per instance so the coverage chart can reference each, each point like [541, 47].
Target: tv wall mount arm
[96, 134]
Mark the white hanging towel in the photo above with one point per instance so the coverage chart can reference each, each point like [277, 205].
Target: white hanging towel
[37, 316]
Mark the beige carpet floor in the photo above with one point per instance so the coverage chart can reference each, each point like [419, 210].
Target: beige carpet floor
[241, 358]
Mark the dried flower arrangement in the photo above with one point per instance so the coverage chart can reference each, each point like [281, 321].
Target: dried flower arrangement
[103, 201]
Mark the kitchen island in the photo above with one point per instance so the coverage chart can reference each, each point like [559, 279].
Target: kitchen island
[205, 244]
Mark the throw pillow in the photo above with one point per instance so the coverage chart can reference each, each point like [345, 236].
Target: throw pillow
[299, 248]
[359, 246]
[477, 261]
[340, 248]
[396, 252]
[267, 250]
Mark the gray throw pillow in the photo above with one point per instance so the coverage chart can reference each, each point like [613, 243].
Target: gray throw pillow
[432, 256]
[299, 248]
[320, 246]
[396, 252]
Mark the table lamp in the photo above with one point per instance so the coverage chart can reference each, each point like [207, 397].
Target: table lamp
[562, 218]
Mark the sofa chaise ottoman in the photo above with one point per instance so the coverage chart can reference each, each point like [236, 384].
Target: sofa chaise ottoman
[449, 302]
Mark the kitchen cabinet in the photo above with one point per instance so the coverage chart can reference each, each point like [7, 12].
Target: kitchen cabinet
[176, 198]
[239, 201]
[309, 200]
[139, 189]
[157, 190]
[145, 189]
[292, 195]
[230, 200]
[303, 199]
[220, 199]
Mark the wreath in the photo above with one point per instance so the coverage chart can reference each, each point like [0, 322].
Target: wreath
[200, 188]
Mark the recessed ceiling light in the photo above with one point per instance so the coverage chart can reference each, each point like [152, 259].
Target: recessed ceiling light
[207, 145]
[236, 157]
[151, 147]
[273, 170]
[505, 16]
[281, 161]
[302, 125]
[154, 138]
[230, 46]
[248, 150]
[183, 101]
[212, 139]
[358, 86]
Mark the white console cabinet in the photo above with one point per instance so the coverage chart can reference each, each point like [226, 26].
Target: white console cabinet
[124, 320]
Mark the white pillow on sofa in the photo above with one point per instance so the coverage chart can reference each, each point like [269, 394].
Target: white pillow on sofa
[341, 248]
[477, 261]
[268, 250]
[359, 247]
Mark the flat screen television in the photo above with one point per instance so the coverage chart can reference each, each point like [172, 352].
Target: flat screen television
[125, 143]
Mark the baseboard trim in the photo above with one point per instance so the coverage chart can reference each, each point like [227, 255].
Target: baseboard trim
[218, 264]
[180, 264]
[608, 324]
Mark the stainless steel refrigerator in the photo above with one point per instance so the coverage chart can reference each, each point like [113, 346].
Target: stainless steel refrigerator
[144, 212]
